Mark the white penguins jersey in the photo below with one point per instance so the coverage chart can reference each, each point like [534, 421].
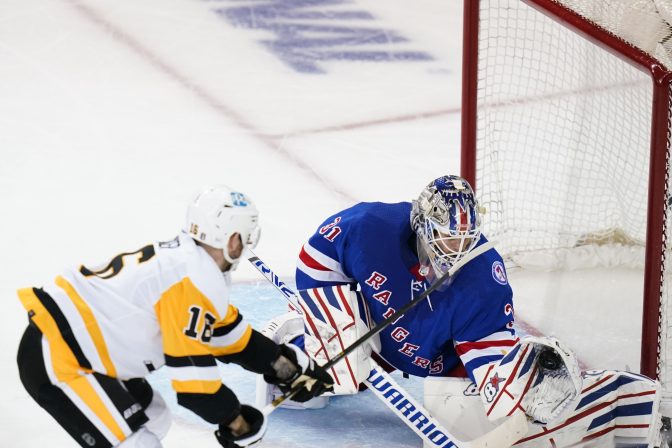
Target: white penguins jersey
[164, 304]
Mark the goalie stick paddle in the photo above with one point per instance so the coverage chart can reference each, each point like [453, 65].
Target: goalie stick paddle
[432, 431]
[504, 435]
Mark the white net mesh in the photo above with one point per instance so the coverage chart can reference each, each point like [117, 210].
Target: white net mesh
[665, 345]
[564, 137]
[642, 23]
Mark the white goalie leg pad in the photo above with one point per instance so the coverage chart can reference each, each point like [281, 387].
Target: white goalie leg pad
[282, 330]
[335, 317]
[614, 409]
[456, 403]
[539, 376]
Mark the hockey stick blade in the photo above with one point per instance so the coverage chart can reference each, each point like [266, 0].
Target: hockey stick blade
[429, 428]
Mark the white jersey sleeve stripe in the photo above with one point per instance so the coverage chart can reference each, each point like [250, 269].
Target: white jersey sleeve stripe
[322, 259]
[499, 336]
[231, 337]
[475, 354]
[194, 373]
[323, 276]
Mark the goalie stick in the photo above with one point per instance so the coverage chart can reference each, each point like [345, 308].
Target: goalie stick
[379, 381]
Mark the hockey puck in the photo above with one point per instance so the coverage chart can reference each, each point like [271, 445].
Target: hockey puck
[550, 360]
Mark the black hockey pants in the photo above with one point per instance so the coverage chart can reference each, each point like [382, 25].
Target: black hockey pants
[54, 400]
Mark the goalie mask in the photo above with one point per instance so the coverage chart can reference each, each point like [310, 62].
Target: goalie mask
[447, 222]
[218, 212]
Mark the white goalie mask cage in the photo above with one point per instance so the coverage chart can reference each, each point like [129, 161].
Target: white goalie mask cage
[218, 212]
[447, 221]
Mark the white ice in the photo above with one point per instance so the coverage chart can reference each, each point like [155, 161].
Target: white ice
[113, 114]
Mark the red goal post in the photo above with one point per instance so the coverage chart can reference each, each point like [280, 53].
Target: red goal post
[572, 100]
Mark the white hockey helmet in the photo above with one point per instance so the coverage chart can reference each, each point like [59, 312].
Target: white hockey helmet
[218, 212]
[447, 221]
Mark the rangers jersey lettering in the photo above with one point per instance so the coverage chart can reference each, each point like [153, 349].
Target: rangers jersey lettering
[467, 324]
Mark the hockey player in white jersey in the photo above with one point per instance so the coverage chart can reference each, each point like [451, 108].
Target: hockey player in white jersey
[95, 332]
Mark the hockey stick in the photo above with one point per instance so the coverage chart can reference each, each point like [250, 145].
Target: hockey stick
[380, 382]
[416, 417]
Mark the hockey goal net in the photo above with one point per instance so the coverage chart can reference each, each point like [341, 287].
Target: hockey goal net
[566, 135]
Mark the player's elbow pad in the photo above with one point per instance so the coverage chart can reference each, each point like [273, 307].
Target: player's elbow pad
[257, 356]
[539, 375]
[213, 408]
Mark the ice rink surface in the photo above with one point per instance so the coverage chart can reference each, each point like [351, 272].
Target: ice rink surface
[114, 113]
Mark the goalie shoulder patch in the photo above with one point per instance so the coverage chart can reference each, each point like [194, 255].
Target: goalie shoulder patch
[499, 273]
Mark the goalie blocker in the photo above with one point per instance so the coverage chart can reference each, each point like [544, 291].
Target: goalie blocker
[565, 407]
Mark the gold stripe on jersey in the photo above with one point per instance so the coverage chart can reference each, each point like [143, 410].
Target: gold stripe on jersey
[196, 386]
[231, 316]
[175, 310]
[64, 363]
[90, 397]
[91, 325]
[63, 360]
[178, 306]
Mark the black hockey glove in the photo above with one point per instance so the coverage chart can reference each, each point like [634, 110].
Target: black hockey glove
[304, 370]
[257, 423]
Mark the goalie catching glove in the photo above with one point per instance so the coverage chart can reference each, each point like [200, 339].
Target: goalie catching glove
[539, 375]
[294, 368]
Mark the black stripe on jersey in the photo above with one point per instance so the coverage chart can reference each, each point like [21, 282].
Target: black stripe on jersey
[63, 326]
[189, 361]
[141, 390]
[226, 329]
[257, 356]
[127, 406]
[221, 407]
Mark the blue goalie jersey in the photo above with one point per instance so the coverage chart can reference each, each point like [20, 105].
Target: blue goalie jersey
[467, 324]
